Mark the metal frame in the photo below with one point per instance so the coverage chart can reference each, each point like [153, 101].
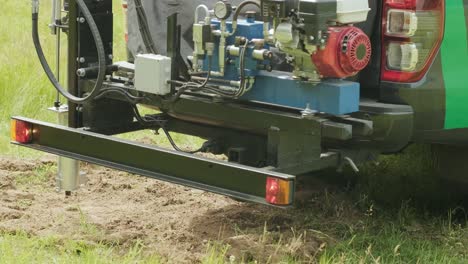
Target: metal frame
[234, 180]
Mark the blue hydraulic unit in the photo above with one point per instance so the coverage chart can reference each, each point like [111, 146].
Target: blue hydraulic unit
[271, 86]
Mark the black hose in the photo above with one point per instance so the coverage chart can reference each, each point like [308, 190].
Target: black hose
[187, 86]
[242, 71]
[120, 91]
[100, 50]
[242, 6]
[144, 28]
[210, 63]
[151, 121]
[174, 145]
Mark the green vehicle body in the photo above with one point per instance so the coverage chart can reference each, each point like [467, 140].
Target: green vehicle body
[454, 64]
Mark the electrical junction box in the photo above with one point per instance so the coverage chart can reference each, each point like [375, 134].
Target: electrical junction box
[152, 73]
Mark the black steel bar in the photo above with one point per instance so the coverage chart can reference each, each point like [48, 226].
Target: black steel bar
[73, 115]
[110, 131]
[172, 43]
[232, 115]
[242, 182]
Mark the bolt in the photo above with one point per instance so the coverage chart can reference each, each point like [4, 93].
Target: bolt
[111, 56]
[275, 129]
[81, 72]
[268, 55]
[81, 20]
[308, 113]
[81, 60]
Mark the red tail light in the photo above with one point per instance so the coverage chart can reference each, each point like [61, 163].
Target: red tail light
[278, 191]
[412, 32]
[21, 131]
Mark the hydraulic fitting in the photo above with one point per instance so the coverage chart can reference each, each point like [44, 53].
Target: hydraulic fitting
[35, 6]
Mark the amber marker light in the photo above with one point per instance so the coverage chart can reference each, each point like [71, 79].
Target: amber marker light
[21, 131]
[279, 191]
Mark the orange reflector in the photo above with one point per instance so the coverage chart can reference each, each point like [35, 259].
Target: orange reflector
[278, 191]
[21, 131]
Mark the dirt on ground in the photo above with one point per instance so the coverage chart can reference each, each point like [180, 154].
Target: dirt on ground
[175, 222]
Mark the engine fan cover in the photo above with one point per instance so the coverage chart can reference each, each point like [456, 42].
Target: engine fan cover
[348, 51]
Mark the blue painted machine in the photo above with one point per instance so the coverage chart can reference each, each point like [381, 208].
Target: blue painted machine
[333, 96]
[245, 63]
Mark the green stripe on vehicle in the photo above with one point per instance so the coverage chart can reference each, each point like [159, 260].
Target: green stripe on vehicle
[455, 65]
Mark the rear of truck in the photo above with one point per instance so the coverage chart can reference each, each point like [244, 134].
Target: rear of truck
[292, 88]
[433, 80]
[431, 74]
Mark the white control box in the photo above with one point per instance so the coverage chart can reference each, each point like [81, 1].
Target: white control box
[152, 73]
[352, 11]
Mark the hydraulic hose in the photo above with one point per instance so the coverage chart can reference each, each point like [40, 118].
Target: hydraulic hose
[144, 28]
[239, 10]
[45, 65]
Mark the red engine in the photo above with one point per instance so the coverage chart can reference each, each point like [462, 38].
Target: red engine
[348, 51]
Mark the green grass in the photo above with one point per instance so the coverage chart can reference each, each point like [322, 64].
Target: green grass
[21, 248]
[24, 88]
[388, 241]
[38, 178]
[372, 236]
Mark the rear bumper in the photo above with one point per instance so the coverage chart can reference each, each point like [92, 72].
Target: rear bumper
[237, 181]
[453, 137]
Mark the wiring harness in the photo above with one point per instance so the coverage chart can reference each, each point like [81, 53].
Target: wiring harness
[161, 122]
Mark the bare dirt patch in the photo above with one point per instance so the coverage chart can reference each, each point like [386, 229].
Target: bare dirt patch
[176, 222]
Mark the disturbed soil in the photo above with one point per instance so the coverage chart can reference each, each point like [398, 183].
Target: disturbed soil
[178, 223]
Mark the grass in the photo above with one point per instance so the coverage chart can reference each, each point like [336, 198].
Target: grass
[387, 241]
[24, 88]
[21, 248]
[384, 236]
[217, 254]
[38, 177]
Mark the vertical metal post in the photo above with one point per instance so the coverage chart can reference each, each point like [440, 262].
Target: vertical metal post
[73, 115]
[172, 43]
[68, 177]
